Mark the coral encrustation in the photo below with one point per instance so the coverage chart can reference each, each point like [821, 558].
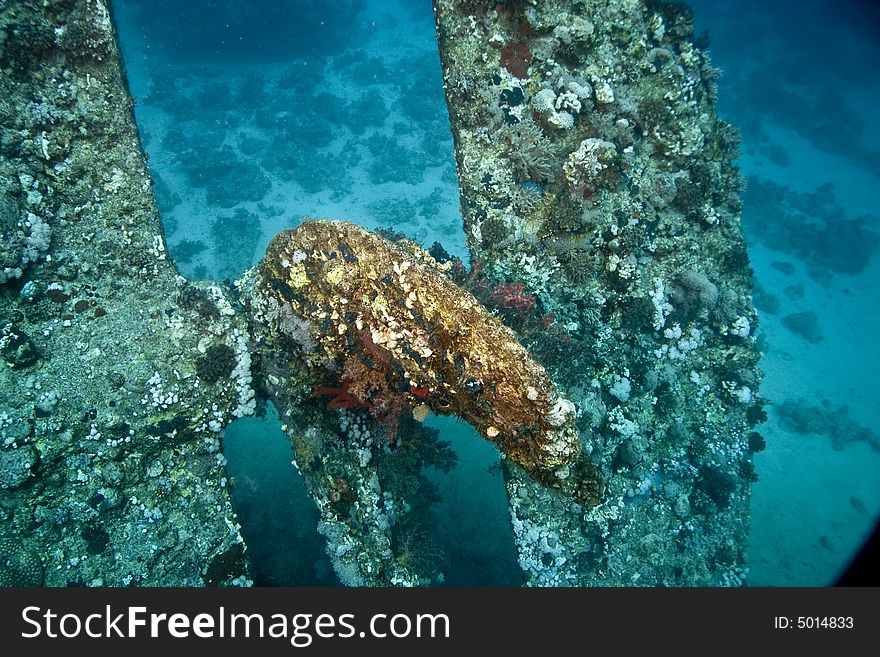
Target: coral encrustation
[380, 326]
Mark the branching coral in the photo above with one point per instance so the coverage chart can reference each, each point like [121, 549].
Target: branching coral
[531, 152]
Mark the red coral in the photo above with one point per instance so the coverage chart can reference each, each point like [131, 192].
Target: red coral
[421, 393]
[512, 296]
[379, 355]
[474, 281]
[370, 389]
[516, 57]
[342, 398]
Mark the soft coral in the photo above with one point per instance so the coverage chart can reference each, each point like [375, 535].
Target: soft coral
[342, 398]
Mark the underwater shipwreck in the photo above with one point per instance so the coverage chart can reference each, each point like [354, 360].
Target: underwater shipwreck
[602, 335]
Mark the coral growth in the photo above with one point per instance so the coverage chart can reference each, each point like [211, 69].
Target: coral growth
[217, 363]
[513, 296]
[394, 333]
[590, 167]
[531, 152]
[516, 58]
[598, 176]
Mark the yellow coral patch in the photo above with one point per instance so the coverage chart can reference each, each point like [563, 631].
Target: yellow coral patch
[335, 273]
[297, 275]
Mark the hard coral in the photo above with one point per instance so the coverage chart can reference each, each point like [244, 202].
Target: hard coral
[397, 333]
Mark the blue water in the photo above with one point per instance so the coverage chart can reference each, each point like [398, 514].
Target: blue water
[799, 82]
[336, 109]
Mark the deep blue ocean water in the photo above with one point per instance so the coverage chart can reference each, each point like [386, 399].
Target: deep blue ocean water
[257, 114]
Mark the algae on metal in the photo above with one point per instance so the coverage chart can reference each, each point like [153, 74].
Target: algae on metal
[594, 170]
[393, 334]
[111, 471]
[378, 327]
